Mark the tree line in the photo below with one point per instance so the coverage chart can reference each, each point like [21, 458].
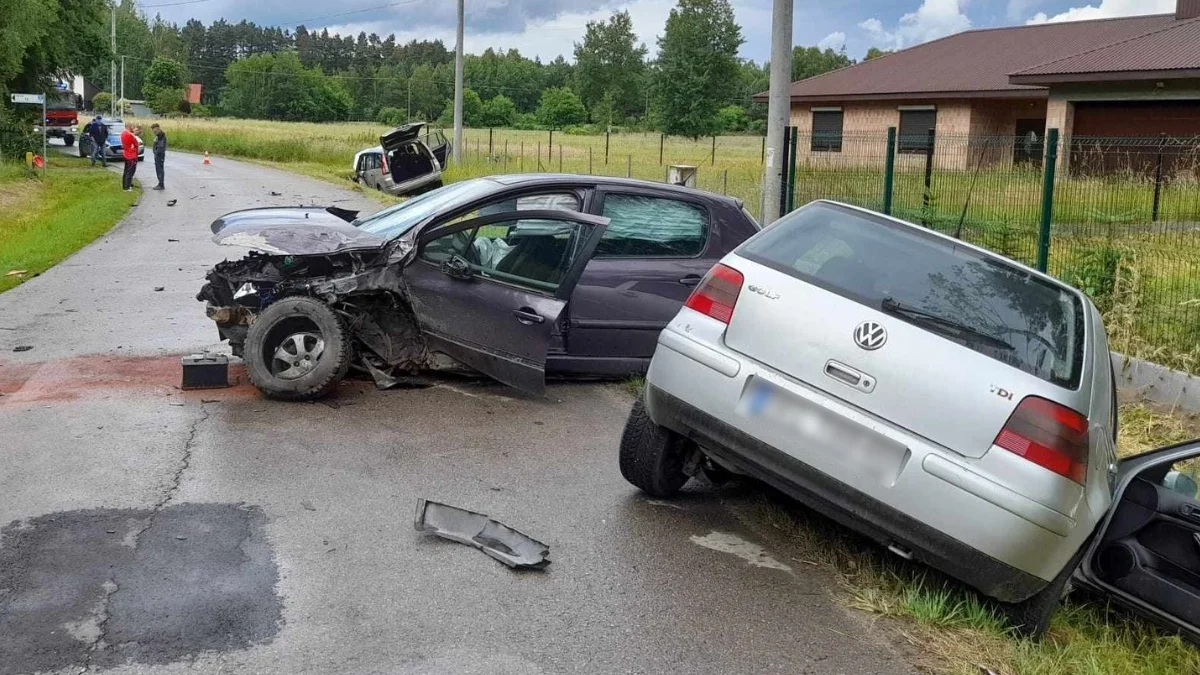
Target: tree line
[694, 85]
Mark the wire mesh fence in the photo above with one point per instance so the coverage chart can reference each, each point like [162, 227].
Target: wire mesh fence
[1116, 217]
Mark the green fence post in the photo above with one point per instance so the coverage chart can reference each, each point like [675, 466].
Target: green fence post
[791, 169]
[1049, 168]
[889, 171]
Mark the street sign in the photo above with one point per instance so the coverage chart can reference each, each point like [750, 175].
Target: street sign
[38, 99]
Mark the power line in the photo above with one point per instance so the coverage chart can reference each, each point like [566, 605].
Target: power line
[174, 4]
[357, 11]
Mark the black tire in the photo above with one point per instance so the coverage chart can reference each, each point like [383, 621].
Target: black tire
[303, 321]
[1031, 618]
[652, 457]
[68, 141]
[81, 152]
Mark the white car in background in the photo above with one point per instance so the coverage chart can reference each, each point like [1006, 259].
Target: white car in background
[407, 159]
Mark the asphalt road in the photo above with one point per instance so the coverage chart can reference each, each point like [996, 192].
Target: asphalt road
[149, 530]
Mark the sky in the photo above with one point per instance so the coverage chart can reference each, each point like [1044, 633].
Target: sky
[548, 28]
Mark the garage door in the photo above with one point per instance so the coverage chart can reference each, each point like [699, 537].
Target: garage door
[1147, 119]
[1150, 137]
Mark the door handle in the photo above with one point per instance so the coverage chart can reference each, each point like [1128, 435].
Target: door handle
[528, 317]
[691, 280]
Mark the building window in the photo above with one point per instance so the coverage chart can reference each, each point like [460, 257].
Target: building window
[915, 126]
[827, 130]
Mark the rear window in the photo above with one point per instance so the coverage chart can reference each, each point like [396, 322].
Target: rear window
[981, 302]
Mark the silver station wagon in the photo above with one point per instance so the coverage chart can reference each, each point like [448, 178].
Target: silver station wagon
[951, 404]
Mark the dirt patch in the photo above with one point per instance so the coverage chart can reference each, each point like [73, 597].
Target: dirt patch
[15, 194]
[109, 376]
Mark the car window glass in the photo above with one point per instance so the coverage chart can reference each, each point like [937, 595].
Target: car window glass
[1030, 324]
[535, 256]
[551, 201]
[396, 220]
[652, 227]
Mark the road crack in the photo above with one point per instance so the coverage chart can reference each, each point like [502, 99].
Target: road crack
[99, 623]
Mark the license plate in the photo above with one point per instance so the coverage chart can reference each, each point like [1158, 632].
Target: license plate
[816, 430]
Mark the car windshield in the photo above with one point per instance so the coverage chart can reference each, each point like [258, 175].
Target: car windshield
[114, 127]
[396, 220]
[981, 302]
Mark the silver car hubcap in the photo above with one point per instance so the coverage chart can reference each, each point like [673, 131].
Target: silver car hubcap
[297, 355]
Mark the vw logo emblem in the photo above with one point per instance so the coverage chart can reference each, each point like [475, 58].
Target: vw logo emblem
[870, 335]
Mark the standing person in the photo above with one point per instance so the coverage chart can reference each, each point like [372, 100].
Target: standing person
[98, 132]
[160, 153]
[129, 150]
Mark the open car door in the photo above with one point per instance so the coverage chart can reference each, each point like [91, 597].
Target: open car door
[1146, 555]
[439, 146]
[488, 291]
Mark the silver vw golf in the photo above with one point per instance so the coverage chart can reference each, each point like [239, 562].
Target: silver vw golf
[952, 404]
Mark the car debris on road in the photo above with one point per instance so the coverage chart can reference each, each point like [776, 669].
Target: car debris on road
[513, 548]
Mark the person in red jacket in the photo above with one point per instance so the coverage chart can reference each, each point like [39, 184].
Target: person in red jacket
[129, 149]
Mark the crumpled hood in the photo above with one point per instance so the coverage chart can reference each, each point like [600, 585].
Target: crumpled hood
[293, 231]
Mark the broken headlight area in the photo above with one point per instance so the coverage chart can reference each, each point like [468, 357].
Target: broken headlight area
[360, 287]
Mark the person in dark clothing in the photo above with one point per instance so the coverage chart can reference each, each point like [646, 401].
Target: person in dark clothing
[160, 153]
[129, 151]
[97, 130]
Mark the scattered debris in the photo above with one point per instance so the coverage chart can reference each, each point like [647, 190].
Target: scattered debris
[22, 348]
[172, 202]
[205, 371]
[276, 194]
[514, 549]
[180, 538]
[16, 273]
[173, 240]
[307, 505]
[159, 288]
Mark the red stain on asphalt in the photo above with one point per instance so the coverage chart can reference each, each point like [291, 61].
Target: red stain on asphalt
[110, 377]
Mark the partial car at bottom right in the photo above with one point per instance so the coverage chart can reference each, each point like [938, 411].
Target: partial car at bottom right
[955, 406]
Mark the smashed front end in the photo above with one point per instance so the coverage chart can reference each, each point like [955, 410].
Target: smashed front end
[361, 281]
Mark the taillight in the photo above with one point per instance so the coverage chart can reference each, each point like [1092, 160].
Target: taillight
[1049, 435]
[718, 293]
[385, 166]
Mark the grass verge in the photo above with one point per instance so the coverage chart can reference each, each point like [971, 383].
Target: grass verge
[44, 221]
[953, 630]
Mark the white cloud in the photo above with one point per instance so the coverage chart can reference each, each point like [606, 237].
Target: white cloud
[932, 20]
[1108, 9]
[835, 41]
[1018, 9]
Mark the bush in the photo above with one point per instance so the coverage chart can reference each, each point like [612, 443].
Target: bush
[527, 122]
[102, 103]
[201, 110]
[500, 111]
[1096, 270]
[732, 118]
[393, 117]
[584, 130]
[166, 100]
[16, 135]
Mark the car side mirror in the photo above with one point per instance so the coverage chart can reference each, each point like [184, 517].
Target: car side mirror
[1181, 483]
[457, 267]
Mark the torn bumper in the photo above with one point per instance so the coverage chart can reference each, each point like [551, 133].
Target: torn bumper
[513, 548]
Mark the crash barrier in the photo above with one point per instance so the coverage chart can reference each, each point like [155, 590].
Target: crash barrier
[1156, 383]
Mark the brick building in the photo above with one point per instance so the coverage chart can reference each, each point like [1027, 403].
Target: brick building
[1137, 76]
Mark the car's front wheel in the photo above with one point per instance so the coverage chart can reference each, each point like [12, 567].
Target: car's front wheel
[68, 141]
[297, 350]
[652, 457]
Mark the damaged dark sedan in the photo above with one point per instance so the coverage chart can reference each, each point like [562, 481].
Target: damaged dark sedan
[510, 276]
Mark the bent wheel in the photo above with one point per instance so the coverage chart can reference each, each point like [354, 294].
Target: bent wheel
[296, 350]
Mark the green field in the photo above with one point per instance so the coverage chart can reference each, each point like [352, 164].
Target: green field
[44, 221]
[1144, 274]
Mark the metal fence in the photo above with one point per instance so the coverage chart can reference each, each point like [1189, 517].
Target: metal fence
[1116, 217]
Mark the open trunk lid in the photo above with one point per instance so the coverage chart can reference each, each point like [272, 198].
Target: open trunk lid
[401, 136]
[812, 306]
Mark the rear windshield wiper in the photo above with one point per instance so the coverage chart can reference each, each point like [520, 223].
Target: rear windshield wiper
[892, 306]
